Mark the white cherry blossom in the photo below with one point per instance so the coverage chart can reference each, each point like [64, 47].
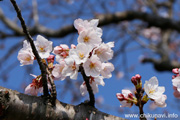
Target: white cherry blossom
[176, 82]
[152, 90]
[43, 46]
[82, 25]
[30, 89]
[80, 54]
[90, 38]
[26, 45]
[94, 82]
[107, 68]
[34, 90]
[104, 51]
[36, 86]
[61, 51]
[57, 71]
[98, 80]
[83, 88]
[160, 102]
[92, 66]
[71, 68]
[25, 57]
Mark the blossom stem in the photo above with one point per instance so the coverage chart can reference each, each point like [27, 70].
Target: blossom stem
[89, 88]
[30, 39]
[140, 104]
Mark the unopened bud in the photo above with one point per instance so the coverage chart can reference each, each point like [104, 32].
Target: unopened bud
[130, 95]
[133, 80]
[120, 96]
[50, 59]
[138, 77]
[175, 70]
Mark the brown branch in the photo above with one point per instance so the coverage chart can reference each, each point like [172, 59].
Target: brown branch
[105, 19]
[162, 65]
[25, 30]
[89, 88]
[18, 106]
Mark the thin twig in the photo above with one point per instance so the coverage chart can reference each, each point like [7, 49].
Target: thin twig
[89, 89]
[140, 104]
[25, 30]
[53, 87]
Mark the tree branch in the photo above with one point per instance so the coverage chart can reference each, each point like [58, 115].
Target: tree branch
[104, 19]
[18, 106]
[162, 65]
[89, 88]
[25, 30]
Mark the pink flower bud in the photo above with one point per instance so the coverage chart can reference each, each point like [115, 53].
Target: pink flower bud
[120, 96]
[133, 80]
[175, 70]
[50, 59]
[58, 50]
[138, 77]
[130, 95]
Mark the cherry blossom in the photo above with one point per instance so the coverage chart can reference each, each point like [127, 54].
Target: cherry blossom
[90, 38]
[61, 51]
[92, 66]
[94, 82]
[57, 71]
[26, 45]
[43, 46]
[36, 86]
[176, 93]
[71, 68]
[160, 102]
[104, 51]
[83, 88]
[80, 54]
[107, 68]
[176, 82]
[152, 90]
[82, 25]
[25, 57]
[125, 98]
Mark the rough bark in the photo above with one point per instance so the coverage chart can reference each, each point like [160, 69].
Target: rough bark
[18, 106]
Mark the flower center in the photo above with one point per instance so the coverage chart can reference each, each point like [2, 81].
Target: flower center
[61, 69]
[86, 39]
[73, 67]
[81, 55]
[28, 58]
[98, 52]
[41, 49]
[92, 65]
[151, 91]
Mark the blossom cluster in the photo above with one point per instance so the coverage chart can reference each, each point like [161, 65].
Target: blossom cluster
[90, 53]
[176, 82]
[151, 88]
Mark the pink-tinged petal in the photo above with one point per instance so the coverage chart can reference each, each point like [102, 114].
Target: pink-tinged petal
[160, 102]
